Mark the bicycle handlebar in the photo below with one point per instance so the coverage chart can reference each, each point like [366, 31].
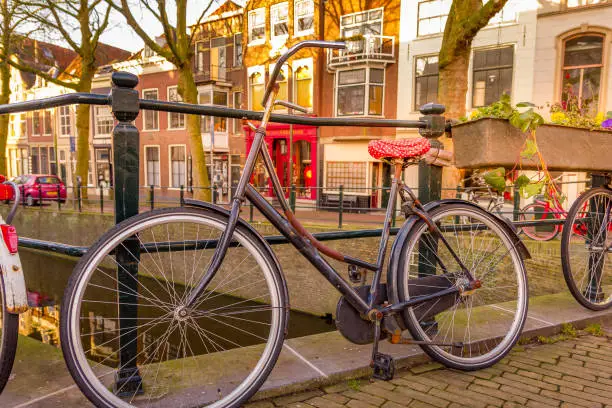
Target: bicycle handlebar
[283, 58]
[9, 217]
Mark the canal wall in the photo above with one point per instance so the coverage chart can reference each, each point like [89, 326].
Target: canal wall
[308, 290]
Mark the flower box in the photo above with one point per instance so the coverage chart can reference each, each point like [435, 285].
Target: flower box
[491, 142]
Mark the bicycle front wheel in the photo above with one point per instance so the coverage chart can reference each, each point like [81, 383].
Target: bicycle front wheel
[538, 212]
[9, 327]
[127, 336]
[586, 249]
[475, 329]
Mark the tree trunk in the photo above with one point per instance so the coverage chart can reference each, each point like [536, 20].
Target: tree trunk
[189, 92]
[5, 93]
[452, 90]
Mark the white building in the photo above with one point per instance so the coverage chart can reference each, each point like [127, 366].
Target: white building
[534, 50]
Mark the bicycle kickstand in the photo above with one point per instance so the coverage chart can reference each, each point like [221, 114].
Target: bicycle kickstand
[382, 364]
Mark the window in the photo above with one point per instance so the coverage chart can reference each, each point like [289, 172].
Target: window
[36, 123]
[22, 125]
[148, 52]
[151, 118]
[178, 165]
[238, 50]
[257, 26]
[104, 120]
[360, 92]
[282, 81]
[44, 160]
[219, 98]
[492, 75]
[426, 81]
[52, 161]
[152, 160]
[304, 17]
[582, 69]
[176, 120]
[47, 123]
[34, 159]
[256, 90]
[302, 77]
[65, 121]
[217, 58]
[432, 16]
[350, 175]
[200, 50]
[237, 123]
[279, 16]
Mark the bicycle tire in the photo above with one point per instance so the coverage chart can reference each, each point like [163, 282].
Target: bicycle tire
[531, 231]
[571, 273]
[428, 320]
[99, 393]
[8, 340]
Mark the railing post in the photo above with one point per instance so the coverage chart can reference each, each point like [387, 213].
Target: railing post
[292, 198]
[516, 200]
[340, 206]
[126, 144]
[182, 195]
[59, 198]
[152, 196]
[101, 200]
[79, 204]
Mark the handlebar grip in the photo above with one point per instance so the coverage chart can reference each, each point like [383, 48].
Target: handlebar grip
[283, 58]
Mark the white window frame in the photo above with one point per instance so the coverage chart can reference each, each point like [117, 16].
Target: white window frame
[296, 32]
[250, 71]
[295, 65]
[235, 56]
[147, 52]
[96, 116]
[273, 21]
[44, 122]
[367, 92]
[36, 130]
[146, 169]
[415, 106]
[64, 113]
[170, 187]
[179, 99]
[156, 113]
[258, 41]
[200, 69]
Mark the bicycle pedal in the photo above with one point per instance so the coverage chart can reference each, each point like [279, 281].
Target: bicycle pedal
[383, 367]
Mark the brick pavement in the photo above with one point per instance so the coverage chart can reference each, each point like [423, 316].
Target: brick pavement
[570, 373]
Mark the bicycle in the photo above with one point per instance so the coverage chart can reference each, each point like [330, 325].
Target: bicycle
[13, 294]
[542, 209]
[586, 248]
[189, 305]
[482, 192]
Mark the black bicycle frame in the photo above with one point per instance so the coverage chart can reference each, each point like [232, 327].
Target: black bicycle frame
[297, 235]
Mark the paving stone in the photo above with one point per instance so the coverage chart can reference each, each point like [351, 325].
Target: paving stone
[584, 395]
[401, 382]
[598, 384]
[516, 384]
[421, 379]
[504, 396]
[391, 404]
[359, 404]
[340, 387]
[303, 396]
[337, 398]
[534, 369]
[429, 399]
[383, 384]
[530, 381]
[572, 361]
[536, 404]
[602, 393]
[571, 370]
[300, 405]
[509, 404]
[260, 404]
[362, 396]
[320, 402]
[386, 394]
[530, 374]
[426, 367]
[420, 404]
[459, 395]
[519, 392]
[570, 384]
[571, 398]
[487, 383]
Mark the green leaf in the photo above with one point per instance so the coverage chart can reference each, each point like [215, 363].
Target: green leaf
[531, 189]
[525, 105]
[496, 179]
[531, 148]
[522, 181]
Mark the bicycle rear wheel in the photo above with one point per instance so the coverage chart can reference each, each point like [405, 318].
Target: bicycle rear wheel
[586, 249]
[128, 338]
[538, 212]
[9, 327]
[488, 321]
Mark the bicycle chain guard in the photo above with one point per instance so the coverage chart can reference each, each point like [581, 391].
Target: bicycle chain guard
[350, 324]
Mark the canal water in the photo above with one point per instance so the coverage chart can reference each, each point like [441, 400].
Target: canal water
[46, 277]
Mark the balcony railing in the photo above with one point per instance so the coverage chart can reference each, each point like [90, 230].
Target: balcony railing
[211, 73]
[368, 48]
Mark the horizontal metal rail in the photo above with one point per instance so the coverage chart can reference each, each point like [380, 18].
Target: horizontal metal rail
[205, 110]
[78, 251]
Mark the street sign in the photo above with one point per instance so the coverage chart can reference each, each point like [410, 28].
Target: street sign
[72, 144]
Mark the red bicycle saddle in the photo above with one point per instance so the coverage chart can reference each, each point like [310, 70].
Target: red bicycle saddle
[398, 149]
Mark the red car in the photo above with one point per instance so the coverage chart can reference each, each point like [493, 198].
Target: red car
[35, 188]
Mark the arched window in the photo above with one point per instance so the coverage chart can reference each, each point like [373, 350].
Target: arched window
[582, 72]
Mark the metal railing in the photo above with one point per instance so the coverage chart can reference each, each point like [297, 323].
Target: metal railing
[366, 48]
